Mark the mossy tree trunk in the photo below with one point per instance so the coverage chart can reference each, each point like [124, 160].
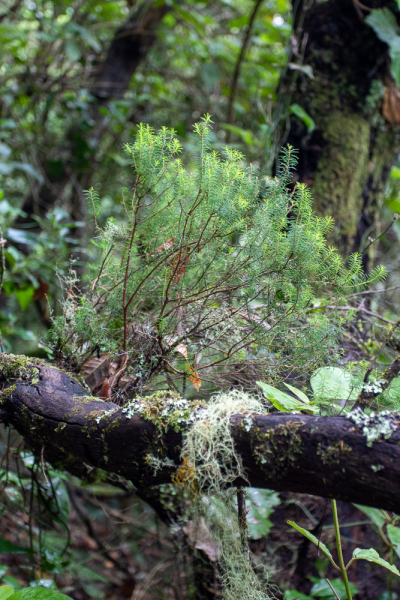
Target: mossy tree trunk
[347, 158]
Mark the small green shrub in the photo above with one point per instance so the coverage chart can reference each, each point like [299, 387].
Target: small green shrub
[211, 276]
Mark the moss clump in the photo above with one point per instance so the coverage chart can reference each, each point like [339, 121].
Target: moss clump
[342, 171]
[278, 448]
[60, 427]
[15, 368]
[4, 394]
[85, 399]
[332, 454]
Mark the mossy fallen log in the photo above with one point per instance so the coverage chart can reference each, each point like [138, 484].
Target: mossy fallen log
[355, 459]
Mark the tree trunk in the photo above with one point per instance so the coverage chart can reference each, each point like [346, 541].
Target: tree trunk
[127, 50]
[347, 158]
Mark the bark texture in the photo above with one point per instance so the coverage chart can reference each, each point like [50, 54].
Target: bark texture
[324, 456]
[347, 158]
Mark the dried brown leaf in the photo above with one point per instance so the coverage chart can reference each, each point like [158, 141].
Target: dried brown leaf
[95, 370]
[391, 102]
[195, 380]
[166, 245]
[199, 537]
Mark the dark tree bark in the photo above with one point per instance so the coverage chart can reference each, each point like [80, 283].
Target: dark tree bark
[324, 456]
[346, 160]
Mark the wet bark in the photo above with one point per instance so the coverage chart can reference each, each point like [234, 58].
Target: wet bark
[324, 456]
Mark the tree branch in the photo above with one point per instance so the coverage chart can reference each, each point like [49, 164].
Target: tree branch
[348, 459]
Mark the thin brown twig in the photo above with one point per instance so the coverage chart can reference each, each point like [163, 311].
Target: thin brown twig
[43, 466]
[373, 240]
[395, 287]
[332, 588]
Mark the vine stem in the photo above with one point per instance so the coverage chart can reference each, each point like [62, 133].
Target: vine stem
[339, 550]
[242, 518]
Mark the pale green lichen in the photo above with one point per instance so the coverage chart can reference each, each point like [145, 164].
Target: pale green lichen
[375, 426]
[377, 468]
[157, 463]
[60, 427]
[165, 410]
[247, 423]
[106, 413]
[210, 465]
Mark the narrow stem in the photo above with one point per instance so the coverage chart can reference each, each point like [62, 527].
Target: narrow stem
[339, 550]
[242, 518]
[390, 574]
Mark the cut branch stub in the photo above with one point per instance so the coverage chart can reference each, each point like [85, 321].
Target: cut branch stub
[348, 459]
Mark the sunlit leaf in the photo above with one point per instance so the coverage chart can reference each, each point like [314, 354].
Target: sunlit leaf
[372, 556]
[333, 383]
[283, 401]
[25, 296]
[298, 393]
[38, 593]
[308, 121]
[5, 592]
[313, 539]
[7, 547]
[375, 514]
[393, 533]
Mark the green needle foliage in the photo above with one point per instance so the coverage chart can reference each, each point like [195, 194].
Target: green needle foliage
[210, 278]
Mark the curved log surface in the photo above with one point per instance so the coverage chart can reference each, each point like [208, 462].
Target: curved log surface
[326, 456]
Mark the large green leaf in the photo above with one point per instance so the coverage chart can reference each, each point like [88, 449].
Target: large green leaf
[7, 547]
[314, 540]
[295, 595]
[321, 589]
[260, 505]
[38, 593]
[372, 556]
[375, 514]
[301, 395]
[394, 536]
[384, 23]
[332, 383]
[297, 110]
[5, 592]
[283, 401]
[394, 53]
